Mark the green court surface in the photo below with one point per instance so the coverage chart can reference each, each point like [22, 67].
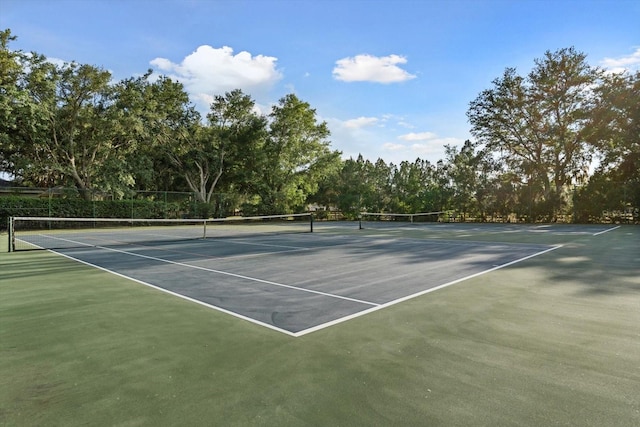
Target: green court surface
[553, 339]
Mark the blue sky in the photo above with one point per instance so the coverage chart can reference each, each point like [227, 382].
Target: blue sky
[393, 79]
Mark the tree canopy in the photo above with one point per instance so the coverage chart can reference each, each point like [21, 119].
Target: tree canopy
[537, 124]
[561, 141]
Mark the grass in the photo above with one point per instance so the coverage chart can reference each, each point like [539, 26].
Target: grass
[554, 340]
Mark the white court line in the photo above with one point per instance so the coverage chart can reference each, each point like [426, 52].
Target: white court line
[221, 258]
[100, 239]
[225, 273]
[240, 316]
[606, 231]
[408, 297]
[375, 307]
[467, 242]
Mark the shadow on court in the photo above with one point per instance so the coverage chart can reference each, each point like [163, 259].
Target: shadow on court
[598, 265]
[301, 282]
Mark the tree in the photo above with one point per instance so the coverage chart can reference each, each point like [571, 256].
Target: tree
[60, 135]
[328, 193]
[354, 186]
[464, 176]
[614, 131]
[22, 114]
[295, 157]
[241, 132]
[536, 124]
[70, 125]
[154, 117]
[13, 98]
[227, 146]
[412, 184]
[615, 123]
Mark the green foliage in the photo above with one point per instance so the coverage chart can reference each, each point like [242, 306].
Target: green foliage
[78, 207]
[294, 158]
[69, 125]
[409, 188]
[607, 197]
[152, 116]
[614, 127]
[537, 123]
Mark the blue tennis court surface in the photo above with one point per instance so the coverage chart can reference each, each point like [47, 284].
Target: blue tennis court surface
[299, 283]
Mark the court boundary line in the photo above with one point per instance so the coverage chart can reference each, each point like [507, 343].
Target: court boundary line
[424, 292]
[492, 228]
[461, 242]
[119, 242]
[221, 258]
[303, 332]
[176, 294]
[226, 273]
[606, 231]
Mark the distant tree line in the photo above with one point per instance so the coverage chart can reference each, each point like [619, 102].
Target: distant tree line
[535, 136]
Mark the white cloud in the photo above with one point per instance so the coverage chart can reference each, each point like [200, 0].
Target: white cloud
[422, 136]
[625, 63]
[391, 146]
[370, 137]
[209, 71]
[360, 122]
[57, 61]
[405, 124]
[435, 145]
[426, 145]
[370, 68]
[163, 63]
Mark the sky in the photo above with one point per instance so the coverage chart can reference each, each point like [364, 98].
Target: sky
[393, 79]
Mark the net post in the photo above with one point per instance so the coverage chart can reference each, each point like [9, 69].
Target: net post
[360, 221]
[311, 222]
[11, 241]
[204, 229]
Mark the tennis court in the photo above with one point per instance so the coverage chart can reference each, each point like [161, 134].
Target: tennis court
[297, 283]
[550, 339]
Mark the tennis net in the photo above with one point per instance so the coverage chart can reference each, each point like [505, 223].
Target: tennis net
[393, 220]
[27, 233]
